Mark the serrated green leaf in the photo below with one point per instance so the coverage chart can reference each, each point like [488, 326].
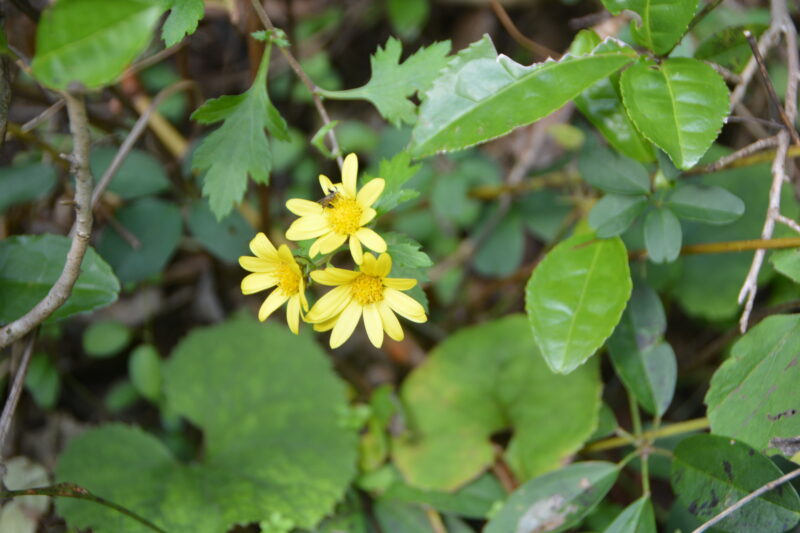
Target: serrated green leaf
[392, 83]
[396, 172]
[405, 251]
[144, 369]
[711, 205]
[267, 402]
[555, 501]
[787, 262]
[638, 517]
[662, 24]
[156, 225]
[712, 472]
[91, 41]
[662, 235]
[239, 147]
[30, 265]
[25, 183]
[680, 105]
[182, 20]
[754, 394]
[614, 213]
[105, 338]
[575, 298]
[480, 95]
[729, 47]
[611, 172]
[450, 422]
[139, 175]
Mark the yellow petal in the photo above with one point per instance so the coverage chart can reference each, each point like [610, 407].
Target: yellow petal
[369, 265]
[330, 242]
[303, 300]
[384, 265]
[390, 323]
[370, 192]
[371, 240]
[303, 208]
[373, 325]
[257, 264]
[262, 248]
[293, 314]
[404, 305]
[333, 276]
[327, 325]
[355, 249]
[346, 324]
[367, 214]
[330, 305]
[401, 284]
[273, 301]
[314, 249]
[257, 282]
[326, 184]
[307, 228]
[349, 175]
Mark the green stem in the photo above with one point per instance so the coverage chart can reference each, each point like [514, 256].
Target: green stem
[687, 426]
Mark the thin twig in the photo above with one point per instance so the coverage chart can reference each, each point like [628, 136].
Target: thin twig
[44, 115]
[747, 499]
[133, 136]
[728, 160]
[81, 229]
[768, 39]
[153, 59]
[542, 51]
[323, 113]
[747, 245]
[13, 396]
[697, 424]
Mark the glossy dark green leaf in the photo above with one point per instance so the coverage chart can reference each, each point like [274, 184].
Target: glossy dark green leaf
[105, 338]
[662, 235]
[638, 517]
[25, 183]
[787, 262]
[144, 369]
[30, 265]
[614, 213]
[140, 174]
[712, 472]
[611, 172]
[575, 298]
[156, 224]
[754, 394]
[182, 20]
[680, 105]
[644, 363]
[602, 105]
[729, 47]
[662, 23]
[91, 41]
[555, 501]
[450, 423]
[480, 95]
[226, 238]
[712, 205]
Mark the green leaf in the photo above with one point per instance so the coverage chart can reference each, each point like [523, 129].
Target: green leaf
[711, 205]
[614, 213]
[500, 254]
[43, 381]
[144, 369]
[611, 172]
[480, 95]
[396, 171]
[393, 83]
[105, 338]
[787, 262]
[544, 212]
[680, 105]
[754, 394]
[239, 147]
[729, 47]
[450, 422]
[156, 224]
[121, 396]
[555, 501]
[662, 24]
[662, 235]
[267, 402]
[24, 184]
[408, 16]
[405, 251]
[227, 238]
[644, 363]
[182, 20]
[475, 500]
[712, 472]
[91, 41]
[575, 298]
[30, 265]
[638, 517]
[140, 174]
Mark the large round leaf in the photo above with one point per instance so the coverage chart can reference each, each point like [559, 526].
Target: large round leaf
[30, 265]
[269, 406]
[680, 105]
[468, 389]
[575, 298]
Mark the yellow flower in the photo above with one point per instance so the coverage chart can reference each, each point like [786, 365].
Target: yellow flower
[368, 293]
[275, 268]
[343, 216]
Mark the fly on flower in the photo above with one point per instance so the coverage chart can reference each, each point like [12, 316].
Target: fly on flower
[275, 268]
[366, 293]
[341, 217]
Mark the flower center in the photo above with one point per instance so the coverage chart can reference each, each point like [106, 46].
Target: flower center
[288, 280]
[344, 215]
[367, 289]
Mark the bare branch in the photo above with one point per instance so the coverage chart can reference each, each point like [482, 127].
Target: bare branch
[13, 396]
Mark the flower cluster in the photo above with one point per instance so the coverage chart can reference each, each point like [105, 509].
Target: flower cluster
[340, 216]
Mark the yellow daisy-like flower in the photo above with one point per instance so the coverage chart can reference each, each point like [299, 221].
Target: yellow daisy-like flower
[342, 217]
[275, 268]
[368, 293]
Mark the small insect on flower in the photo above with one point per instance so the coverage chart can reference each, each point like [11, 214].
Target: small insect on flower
[328, 199]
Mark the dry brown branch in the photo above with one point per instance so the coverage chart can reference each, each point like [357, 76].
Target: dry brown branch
[13, 397]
